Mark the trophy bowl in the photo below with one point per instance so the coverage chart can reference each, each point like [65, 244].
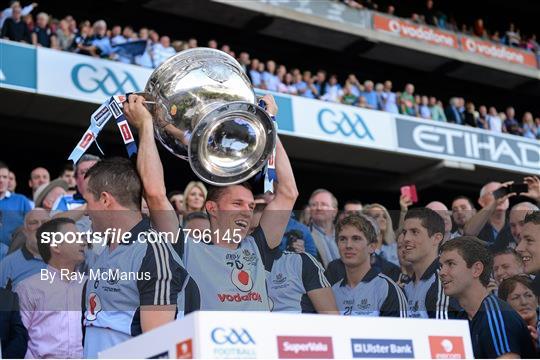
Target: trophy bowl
[206, 112]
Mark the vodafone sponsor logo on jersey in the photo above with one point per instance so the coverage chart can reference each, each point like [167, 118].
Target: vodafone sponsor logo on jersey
[305, 347]
[496, 51]
[413, 31]
[251, 296]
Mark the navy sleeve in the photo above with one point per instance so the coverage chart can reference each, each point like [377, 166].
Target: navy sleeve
[15, 347]
[193, 296]
[268, 255]
[312, 273]
[335, 271]
[160, 282]
[180, 243]
[395, 304]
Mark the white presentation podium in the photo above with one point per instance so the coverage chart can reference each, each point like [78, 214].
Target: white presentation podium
[249, 335]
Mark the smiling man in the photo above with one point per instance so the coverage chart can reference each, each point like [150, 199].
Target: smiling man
[529, 246]
[497, 331]
[229, 266]
[364, 291]
[423, 231]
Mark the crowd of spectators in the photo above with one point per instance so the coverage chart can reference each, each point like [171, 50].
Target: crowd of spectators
[149, 49]
[431, 15]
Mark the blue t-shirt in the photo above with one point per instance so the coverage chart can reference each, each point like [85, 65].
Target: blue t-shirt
[19, 265]
[13, 209]
[3, 251]
[371, 98]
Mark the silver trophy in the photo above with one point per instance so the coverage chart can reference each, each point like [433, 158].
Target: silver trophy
[205, 111]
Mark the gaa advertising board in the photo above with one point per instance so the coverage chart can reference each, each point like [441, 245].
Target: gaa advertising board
[462, 143]
[17, 66]
[86, 78]
[241, 335]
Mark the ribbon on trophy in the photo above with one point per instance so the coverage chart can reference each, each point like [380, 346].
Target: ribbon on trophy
[110, 108]
[269, 169]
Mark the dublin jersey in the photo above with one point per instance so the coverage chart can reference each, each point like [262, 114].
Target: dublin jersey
[123, 280]
[230, 279]
[426, 298]
[293, 275]
[375, 295]
[496, 329]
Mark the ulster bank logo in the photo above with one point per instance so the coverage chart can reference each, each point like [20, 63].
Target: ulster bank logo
[90, 79]
[340, 122]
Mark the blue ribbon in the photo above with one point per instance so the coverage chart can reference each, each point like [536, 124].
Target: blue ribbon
[110, 108]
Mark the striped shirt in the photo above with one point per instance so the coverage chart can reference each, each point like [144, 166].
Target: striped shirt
[496, 329]
[293, 275]
[375, 295]
[426, 298]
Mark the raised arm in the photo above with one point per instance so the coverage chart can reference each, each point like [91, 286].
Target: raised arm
[149, 166]
[277, 213]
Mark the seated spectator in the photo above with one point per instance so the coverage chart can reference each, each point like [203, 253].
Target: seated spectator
[64, 36]
[270, 80]
[304, 85]
[254, 74]
[512, 36]
[32, 221]
[13, 334]
[370, 95]
[25, 261]
[388, 99]
[47, 194]
[163, 51]
[12, 182]
[14, 28]
[529, 127]
[348, 98]
[470, 117]
[494, 121]
[511, 124]
[364, 290]
[386, 244]
[429, 14]
[518, 292]
[436, 109]
[462, 211]
[490, 224]
[101, 44]
[38, 177]
[194, 197]
[289, 88]
[319, 84]
[8, 12]
[354, 84]
[482, 119]
[423, 109]
[506, 263]
[323, 209]
[42, 34]
[13, 208]
[408, 105]
[116, 36]
[479, 29]
[55, 303]
[333, 91]
[453, 113]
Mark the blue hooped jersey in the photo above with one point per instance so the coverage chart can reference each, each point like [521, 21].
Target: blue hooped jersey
[121, 281]
[375, 295]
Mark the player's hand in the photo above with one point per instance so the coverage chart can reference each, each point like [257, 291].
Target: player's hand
[136, 112]
[534, 187]
[271, 106]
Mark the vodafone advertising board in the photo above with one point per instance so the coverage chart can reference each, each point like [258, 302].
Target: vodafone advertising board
[496, 51]
[410, 30]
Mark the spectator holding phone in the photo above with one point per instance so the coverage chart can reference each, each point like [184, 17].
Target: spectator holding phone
[489, 224]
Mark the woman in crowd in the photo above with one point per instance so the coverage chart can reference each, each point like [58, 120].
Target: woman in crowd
[386, 243]
[518, 292]
[194, 197]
